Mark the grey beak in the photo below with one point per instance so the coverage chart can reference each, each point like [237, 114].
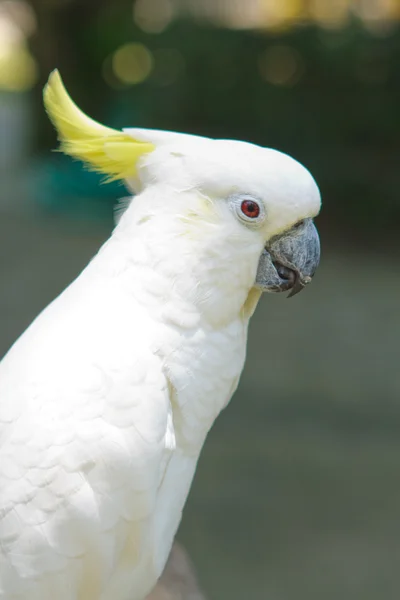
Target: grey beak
[289, 261]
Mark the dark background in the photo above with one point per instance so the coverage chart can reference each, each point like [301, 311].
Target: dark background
[297, 494]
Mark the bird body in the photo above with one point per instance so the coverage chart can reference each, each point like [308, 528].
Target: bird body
[107, 398]
[89, 417]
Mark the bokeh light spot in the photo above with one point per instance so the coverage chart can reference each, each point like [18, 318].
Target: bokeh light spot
[21, 14]
[18, 68]
[281, 65]
[132, 63]
[378, 16]
[331, 14]
[153, 16]
[282, 14]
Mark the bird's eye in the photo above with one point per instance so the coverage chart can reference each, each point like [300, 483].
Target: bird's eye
[250, 209]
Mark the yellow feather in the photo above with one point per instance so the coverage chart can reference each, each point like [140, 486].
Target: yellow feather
[105, 150]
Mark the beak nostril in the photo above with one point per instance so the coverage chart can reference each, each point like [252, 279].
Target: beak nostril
[288, 276]
[291, 280]
[284, 272]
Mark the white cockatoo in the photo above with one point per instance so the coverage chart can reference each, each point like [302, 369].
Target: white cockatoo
[107, 398]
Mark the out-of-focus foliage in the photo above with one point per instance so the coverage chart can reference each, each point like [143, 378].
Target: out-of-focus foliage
[323, 86]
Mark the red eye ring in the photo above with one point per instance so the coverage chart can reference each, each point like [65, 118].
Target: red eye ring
[250, 209]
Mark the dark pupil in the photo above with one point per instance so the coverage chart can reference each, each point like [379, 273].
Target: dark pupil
[250, 208]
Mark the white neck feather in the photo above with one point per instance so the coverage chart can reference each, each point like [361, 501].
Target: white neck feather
[171, 244]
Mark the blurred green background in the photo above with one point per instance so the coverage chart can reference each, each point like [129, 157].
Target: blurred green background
[297, 494]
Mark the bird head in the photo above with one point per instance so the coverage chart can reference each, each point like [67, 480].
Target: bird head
[246, 211]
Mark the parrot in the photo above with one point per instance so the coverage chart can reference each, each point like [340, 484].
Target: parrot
[108, 396]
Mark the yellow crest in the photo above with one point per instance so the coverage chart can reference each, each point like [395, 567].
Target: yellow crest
[105, 150]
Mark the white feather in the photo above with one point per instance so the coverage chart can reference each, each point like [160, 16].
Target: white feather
[107, 398]
[121, 206]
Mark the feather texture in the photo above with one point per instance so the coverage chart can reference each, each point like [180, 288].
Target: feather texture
[103, 149]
